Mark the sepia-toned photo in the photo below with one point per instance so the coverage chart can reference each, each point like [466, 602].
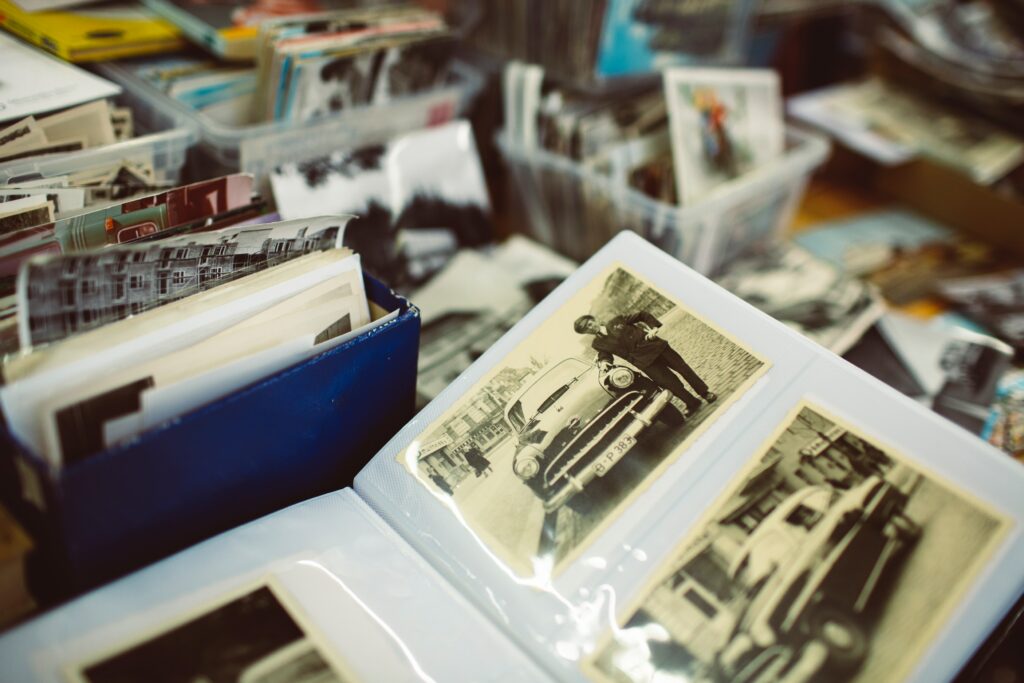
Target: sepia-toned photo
[579, 417]
[830, 559]
[253, 638]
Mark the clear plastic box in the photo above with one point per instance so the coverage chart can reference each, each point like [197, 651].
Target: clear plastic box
[576, 210]
[167, 151]
[258, 148]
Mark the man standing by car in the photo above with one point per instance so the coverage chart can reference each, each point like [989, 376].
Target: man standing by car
[632, 338]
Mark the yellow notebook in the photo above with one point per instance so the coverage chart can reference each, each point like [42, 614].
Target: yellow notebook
[99, 32]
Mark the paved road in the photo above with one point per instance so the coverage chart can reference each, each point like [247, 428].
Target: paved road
[502, 504]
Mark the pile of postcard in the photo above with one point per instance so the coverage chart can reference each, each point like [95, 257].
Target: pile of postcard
[73, 114]
[312, 65]
[20, 100]
[695, 140]
[890, 123]
[30, 198]
[871, 288]
[230, 30]
[129, 316]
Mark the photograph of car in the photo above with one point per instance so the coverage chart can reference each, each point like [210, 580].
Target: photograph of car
[577, 417]
[812, 567]
[830, 557]
[576, 421]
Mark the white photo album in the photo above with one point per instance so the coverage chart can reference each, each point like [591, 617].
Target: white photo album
[571, 572]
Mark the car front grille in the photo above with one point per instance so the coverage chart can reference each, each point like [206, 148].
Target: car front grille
[580, 450]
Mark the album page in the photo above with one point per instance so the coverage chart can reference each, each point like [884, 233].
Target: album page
[646, 478]
[320, 591]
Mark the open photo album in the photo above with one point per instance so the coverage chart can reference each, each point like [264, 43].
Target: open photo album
[645, 479]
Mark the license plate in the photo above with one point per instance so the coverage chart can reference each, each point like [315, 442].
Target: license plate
[613, 454]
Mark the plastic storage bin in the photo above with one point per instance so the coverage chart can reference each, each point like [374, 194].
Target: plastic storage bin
[258, 148]
[576, 210]
[167, 150]
[296, 434]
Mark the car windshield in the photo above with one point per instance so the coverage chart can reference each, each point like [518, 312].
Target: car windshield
[554, 397]
[545, 388]
[804, 516]
[516, 417]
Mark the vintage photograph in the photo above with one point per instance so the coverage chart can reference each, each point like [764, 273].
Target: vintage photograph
[579, 417]
[891, 124]
[63, 295]
[832, 558]
[806, 293]
[253, 638]
[428, 182]
[473, 301]
[995, 301]
[722, 125]
[327, 85]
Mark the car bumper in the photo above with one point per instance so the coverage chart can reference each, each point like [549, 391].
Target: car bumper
[637, 421]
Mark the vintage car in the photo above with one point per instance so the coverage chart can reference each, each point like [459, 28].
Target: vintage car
[810, 570]
[576, 420]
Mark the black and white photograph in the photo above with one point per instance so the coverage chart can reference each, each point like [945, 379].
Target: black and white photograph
[577, 418]
[429, 180]
[67, 294]
[253, 638]
[24, 213]
[940, 363]
[327, 85]
[413, 68]
[367, 74]
[473, 301]
[806, 293]
[995, 301]
[831, 558]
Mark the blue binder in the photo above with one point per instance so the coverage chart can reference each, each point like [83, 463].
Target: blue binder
[302, 432]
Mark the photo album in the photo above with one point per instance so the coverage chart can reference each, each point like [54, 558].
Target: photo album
[645, 479]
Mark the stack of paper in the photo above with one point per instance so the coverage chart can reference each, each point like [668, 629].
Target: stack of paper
[120, 319]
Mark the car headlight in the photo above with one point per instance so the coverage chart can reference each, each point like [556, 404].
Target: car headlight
[526, 463]
[621, 378]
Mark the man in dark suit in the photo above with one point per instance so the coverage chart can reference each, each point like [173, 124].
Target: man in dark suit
[632, 338]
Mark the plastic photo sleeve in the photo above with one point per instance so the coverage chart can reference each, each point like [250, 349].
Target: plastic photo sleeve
[551, 444]
[322, 591]
[249, 636]
[830, 557]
